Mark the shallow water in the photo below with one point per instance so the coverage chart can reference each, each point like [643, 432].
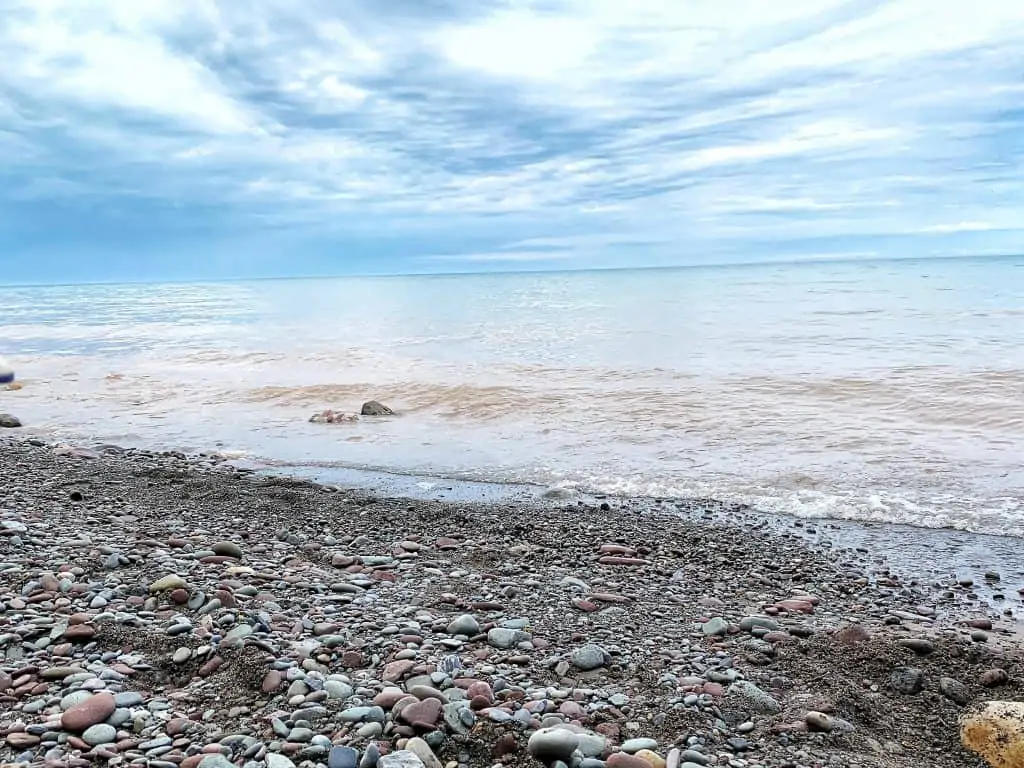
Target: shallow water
[882, 391]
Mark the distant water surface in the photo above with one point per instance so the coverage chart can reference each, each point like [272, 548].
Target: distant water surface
[889, 391]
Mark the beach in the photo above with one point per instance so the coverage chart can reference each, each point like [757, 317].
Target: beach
[170, 610]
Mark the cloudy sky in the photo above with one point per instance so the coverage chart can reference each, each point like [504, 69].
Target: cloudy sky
[204, 138]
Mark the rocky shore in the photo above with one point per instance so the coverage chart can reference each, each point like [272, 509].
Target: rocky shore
[161, 610]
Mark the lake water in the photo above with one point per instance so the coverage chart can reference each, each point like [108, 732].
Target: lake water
[889, 391]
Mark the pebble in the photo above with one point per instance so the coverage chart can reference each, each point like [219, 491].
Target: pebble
[550, 744]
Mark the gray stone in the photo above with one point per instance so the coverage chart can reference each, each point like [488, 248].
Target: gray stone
[748, 623]
[464, 625]
[370, 756]
[227, 549]
[907, 680]
[589, 657]
[422, 750]
[9, 421]
[501, 637]
[100, 733]
[374, 408]
[753, 698]
[954, 690]
[342, 757]
[274, 760]
[632, 746]
[716, 627]
[216, 761]
[401, 759]
[336, 689]
[549, 744]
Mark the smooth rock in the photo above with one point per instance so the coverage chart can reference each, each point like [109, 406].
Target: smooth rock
[93, 710]
[589, 657]
[754, 698]
[400, 759]
[549, 744]
[995, 730]
[101, 733]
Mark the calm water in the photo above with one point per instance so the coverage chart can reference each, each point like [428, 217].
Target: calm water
[881, 391]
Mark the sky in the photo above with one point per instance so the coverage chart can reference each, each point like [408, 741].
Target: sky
[180, 139]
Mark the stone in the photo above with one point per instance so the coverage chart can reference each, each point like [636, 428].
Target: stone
[716, 627]
[550, 744]
[9, 421]
[401, 759]
[954, 690]
[632, 746]
[90, 712]
[907, 680]
[274, 760]
[819, 721]
[342, 757]
[422, 714]
[101, 733]
[422, 750]
[215, 761]
[464, 625]
[994, 677]
[374, 408]
[919, 645]
[753, 698]
[749, 623]
[589, 657]
[653, 759]
[503, 638]
[995, 731]
[167, 583]
[227, 549]
[626, 760]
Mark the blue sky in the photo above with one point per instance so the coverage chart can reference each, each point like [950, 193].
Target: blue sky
[146, 139]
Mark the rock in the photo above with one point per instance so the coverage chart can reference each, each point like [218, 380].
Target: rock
[819, 721]
[422, 750]
[422, 714]
[550, 744]
[716, 627]
[401, 759]
[274, 760]
[995, 730]
[167, 583]
[954, 690]
[101, 733]
[464, 625]
[851, 635]
[993, 677]
[907, 680]
[373, 408]
[503, 638]
[748, 623]
[342, 757]
[626, 760]
[918, 645]
[632, 746]
[653, 759]
[754, 698]
[215, 761]
[8, 421]
[589, 657]
[90, 712]
[227, 549]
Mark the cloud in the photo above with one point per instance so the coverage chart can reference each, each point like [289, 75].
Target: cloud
[639, 133]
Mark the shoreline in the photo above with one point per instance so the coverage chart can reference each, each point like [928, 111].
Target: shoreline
[626, 622]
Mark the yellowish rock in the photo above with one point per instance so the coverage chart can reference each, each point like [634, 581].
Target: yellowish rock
[167, 583]
[995, 730]
[653, 759]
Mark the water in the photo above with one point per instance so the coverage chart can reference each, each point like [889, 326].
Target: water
[883, 391]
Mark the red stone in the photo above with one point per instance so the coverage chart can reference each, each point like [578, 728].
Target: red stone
[211, 666]
[179, 596]
[387, 698]
[622, 760]
[714, 689]
[93, 710]
[396, 670]
[585, 605]
[79, 632]
[422, 714]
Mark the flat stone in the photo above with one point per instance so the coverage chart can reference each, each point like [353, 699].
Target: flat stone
[589, 657]
[465, 624]
[550, 744]
[167, 583]
[101, 733]
[632, 746]
[422, 750]
[754, 698]
[504, 638]
[716, 627]
[400, 759]
[274, 760]
[93, 710]
[227, 549]
[422, 714]
[342, 757]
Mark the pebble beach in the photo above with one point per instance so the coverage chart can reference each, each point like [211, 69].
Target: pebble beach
[174, 611]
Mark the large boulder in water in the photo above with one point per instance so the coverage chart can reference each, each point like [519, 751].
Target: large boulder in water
[7, 421]
[995, 730]
[373, 408]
